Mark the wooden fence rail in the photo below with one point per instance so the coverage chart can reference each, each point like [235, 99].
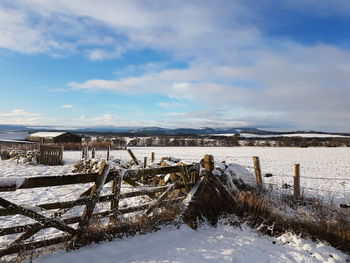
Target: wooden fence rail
[19, 145]
[89, 199]
[12, 184]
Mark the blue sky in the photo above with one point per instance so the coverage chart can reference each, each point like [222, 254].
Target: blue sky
[220, 63]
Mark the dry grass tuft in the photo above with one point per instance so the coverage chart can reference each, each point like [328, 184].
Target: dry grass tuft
[263, 214]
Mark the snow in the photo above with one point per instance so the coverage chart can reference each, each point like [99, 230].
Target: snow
[220, 244]
[303, 135]
[16, 141]
[47, 134]
[239, 171]
[315, 135]
[324, 169]
[12, 182]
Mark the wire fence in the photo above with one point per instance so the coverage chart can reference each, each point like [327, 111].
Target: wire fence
[331, 190]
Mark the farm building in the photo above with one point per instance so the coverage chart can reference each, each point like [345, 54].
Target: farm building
[54, 137]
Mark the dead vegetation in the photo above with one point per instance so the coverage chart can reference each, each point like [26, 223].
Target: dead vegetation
[210, 201]
[317, 222]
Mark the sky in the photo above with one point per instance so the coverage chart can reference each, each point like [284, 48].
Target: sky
[274, 64]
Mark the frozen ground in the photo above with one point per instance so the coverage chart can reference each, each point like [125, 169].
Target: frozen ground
[207, 244]
[325, 173]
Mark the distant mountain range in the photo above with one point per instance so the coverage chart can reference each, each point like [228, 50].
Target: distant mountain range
[192, 131]
[153, 131]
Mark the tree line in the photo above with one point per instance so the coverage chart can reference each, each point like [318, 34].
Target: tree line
[226, 141]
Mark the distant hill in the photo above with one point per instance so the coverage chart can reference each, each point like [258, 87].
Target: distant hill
[154, 131]
[192, 131]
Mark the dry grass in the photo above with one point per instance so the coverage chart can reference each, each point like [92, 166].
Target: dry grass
[262, 214]
[138, 224]
[212, 200]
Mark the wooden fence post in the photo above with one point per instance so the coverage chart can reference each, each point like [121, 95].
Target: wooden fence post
[297, 180]
[91, 203]
[108, 149]
[257, 170]
[61, 155]
[208, 163]
[144, 162]
[93, 153]
[87, 152]
[115, 201]
[133, 157]
[152, 157]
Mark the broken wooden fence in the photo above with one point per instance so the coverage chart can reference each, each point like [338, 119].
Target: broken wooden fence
[89, 199]
[51, 155]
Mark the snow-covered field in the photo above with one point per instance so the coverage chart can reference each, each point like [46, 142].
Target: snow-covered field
[325, 173]
[303, 135]
[208, 244]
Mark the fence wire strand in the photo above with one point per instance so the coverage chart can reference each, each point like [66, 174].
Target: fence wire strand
[276, 182]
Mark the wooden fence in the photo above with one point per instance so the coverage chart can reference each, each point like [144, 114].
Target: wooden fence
[88, 199]
[51, 155]
[18, 145]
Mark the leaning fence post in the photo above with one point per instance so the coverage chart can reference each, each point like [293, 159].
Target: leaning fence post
[92, 201]
[297, 180]
[133, 157]
[257, 170]
[152, 157]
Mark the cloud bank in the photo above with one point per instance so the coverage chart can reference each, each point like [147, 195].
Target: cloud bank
[233, 68]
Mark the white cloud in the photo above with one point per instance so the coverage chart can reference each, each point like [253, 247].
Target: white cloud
[170, 105]
[307, 86]
[224, 49]
[20, 116]
[203, 118]
[106, 119]
[113, 27]
[18, 112]
[67, 106]
[106, 29]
